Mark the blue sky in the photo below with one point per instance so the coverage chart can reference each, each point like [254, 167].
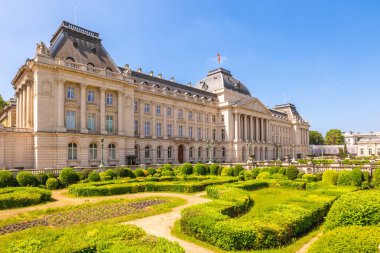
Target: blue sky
[323, 56]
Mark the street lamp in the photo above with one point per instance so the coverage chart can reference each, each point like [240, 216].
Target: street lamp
[102, 157]
[294, 158]
[210, 144]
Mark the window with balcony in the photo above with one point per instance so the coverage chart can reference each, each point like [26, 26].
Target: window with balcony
[170, 130]
[199, 133]
[72, 151]
[191, 132]
[91, 122]
[213, 118]
[91, 96]
[190, 115]
[109, 123]
[206, 117]
[112, 151]
[169, 111]
[70, 93]
[180, 131]
[180, 114]
[199, 116]
[158, 130]
[70, 120]
[147, 129]
[93, 151]
[147, 108]
[158, 110]
[109, 99]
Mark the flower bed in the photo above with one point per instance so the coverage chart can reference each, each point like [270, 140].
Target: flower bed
[12, 197]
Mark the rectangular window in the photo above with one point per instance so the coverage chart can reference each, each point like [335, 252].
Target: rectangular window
[158, 110]
[147, 128]
[170, 130]
[362, 151]
[206, 133]
[214, 134]
[199, 116]
[222, 118]
[91, 96]
[136, 107]
[213, 119]
[223, 134]
[169, 111]
[170, 152]
[206, 117]
[109, 99]
[180, 131]
[191, 132]
[70, 93]
[158, 129]
[370, 151]
[147, 108]
[180, 114]
[91, 122]
[70, 120]
[136, 127]
[199, 133]
[109, 123]
[190, 115]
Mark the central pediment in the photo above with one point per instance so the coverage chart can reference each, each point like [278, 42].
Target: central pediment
[253, 105]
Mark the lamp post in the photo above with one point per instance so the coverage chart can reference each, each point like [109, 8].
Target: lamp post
[102, 157]
[210, 144]
[294, 158]
[278, 151]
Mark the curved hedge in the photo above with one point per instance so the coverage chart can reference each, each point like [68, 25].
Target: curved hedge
[116, 187]
[6, 178]
[220, 222]
[348, 239]
[356, 208]
[13, 197]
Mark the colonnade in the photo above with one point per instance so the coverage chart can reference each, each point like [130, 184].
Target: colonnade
[251, 128]
[24, 108]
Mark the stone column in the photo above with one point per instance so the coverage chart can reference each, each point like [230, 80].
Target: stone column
[257, 129]
[174, 128]
[251, 127]
[28, 105]
[165, 126]
[120, 121]
[17, 108]
[61, 106]
[154, 134]
[83, 108]
[103, 111]
[141, 119]
[262, 130]
[245, 127]
[236, 132]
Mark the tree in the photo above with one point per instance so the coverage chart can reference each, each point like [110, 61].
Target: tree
[316, 138]
[334, 137]
[2, 103]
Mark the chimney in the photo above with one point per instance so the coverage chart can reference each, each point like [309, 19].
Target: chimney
[151, 73]
[172, 79]
[139, 70]
[160, 75]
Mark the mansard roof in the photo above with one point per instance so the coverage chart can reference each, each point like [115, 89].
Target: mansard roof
[80, 45]
[290, 110]
[140, 77]
[221, 78]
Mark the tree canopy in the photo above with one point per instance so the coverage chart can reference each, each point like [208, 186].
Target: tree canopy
[316, 138]
[3, 103]
[334, 137]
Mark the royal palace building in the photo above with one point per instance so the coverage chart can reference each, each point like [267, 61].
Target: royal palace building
[74, 106]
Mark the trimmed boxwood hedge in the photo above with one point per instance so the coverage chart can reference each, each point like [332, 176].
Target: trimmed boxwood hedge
[356, 208]
[348, 239]
[330, 177]
[117, 187]
[220, 222]
[6, 179]
[12, 197]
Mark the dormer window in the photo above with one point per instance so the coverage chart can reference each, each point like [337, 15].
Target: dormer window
[109, 69]
[93, 50]
[90, 64]
[70, 59]
[75, 44]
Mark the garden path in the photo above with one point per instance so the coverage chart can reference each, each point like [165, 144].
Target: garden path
[306, 246]
[161, 225]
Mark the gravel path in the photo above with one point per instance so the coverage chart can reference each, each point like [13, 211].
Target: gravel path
[306, 246]
[161, 225]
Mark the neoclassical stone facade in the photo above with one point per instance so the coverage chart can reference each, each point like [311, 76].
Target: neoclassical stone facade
[71, 99]
[366, 144]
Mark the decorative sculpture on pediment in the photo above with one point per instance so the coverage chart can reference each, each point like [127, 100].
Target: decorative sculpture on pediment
[42, 49]
[127, 70]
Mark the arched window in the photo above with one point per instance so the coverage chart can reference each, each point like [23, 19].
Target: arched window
[191, 149]
[223, 152]
[159, 152]
[93, 151]
[200, 152]
[90, 64]
[70, 59]
[112, 151]
[147, 152]
[72, 151]
[170, 152]
[109, 69]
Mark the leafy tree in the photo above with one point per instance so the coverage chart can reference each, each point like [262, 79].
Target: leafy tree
[316, 138]
[3, 103]
[334, 137]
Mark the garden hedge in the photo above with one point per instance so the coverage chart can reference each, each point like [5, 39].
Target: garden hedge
[6, 178]
[344, 178]
[348, 239]
[330, 177]
[25, 178]
[12, 197]
[220, 222]
[356, 208]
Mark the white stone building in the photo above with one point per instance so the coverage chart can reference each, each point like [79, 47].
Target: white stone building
[367, 144]
[72, 95]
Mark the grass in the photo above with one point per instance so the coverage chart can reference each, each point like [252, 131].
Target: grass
[152, 210]
[290, 248]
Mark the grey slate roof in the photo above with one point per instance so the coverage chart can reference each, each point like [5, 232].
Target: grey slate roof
[82, 45]
[221, 78]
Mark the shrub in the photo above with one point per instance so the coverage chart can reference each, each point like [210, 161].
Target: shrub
[227, 171]
[6, 178]
[52, 184]
[357, 177]
[167, 167]
[263, 175]
[111, 173]
[93, 177]
[345, 178]
[214, 168]
[237, 169]
[319, 176]
[139, 173]
[241, 176]
[220, 170]
[292, 172]
[273, 170]
[366, 176]
[282, 170]
[248, 175]
[80, 176]
[167, 173]
[68, 176]
[151, 171]
[348, 239]
[186, 169]
[255, 172]
[300, 175]
[41, 178]
[199, 169]
[293, 184]
[86, 172]
[12, 197]
[50, 175]
[309, 178]
[278, 176]
[356, 208]
[104, 176]
[330, 177]
[26, 179]
[376, 177]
